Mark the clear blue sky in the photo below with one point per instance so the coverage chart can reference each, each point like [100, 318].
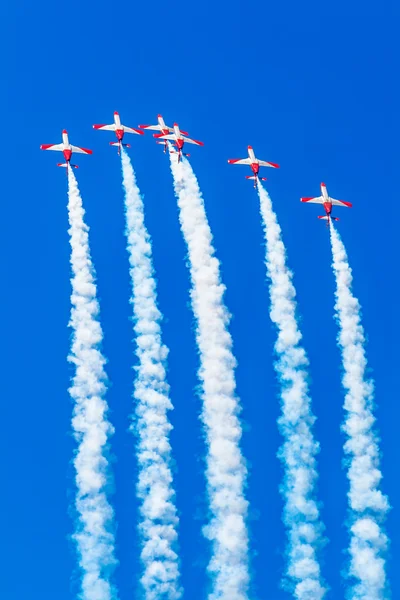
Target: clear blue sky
[310, 86]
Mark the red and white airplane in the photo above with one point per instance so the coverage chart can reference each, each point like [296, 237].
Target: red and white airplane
[119, 130]
[178, 139]
[327, 203]
[254, 164]
[163, 128]
[67, 149]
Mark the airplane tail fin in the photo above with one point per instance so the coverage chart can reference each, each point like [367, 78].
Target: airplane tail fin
[328, 219]
[120, 144]
[66, 165]
[165, 145]
[255, 178]
[179, 153]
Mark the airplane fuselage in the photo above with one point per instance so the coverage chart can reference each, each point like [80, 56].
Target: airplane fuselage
[67, 147]
[255, 167]
[119, 130]
[179, 141]
[327, 204]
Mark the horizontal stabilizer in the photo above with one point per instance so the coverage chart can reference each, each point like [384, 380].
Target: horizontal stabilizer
[324, 218]
[120, 144]
[66, 165]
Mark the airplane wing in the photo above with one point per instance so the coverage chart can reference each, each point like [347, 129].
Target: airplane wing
[59, 147]
[105, 127]
[170, 136]
[81, 150]
[239, 161]
[190, 141]
[341, 203]
[131, 130]
[264, 163]
[317, 200]
[153, 127]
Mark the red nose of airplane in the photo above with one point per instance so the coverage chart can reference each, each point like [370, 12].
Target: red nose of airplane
[115, 113]
[64, 131]
[323, 184]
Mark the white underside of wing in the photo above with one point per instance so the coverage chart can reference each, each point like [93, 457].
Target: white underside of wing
[128, 129]
[189, 141]
[77, 149]
[317, 200]
[58, 147]
[264, 163]
[108, 127]
[242, 161]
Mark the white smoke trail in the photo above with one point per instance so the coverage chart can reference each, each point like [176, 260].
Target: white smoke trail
[225, 467]
[368, 506]
[94, 535]
[159, 519]
[301, 514]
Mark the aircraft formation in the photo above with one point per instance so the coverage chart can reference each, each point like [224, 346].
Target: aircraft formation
[178, 138]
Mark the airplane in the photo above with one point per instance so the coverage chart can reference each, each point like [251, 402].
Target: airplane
[120, 130]
[163, 128]
[67, 149]
[328, 203]
[254, 163]
[178, 139]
